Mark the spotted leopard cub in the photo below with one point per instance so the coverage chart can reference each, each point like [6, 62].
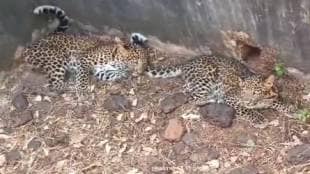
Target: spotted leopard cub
[84, 55]
[221, 79]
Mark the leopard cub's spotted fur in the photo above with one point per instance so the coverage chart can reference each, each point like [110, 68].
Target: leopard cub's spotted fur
[59, 53]
[225, 80]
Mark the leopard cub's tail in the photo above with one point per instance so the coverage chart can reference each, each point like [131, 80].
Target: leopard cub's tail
[163, 72]
[54, 11]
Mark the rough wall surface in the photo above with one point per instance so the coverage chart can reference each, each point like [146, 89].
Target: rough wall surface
[283, 24]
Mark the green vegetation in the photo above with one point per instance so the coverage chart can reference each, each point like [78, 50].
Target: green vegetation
[280, 70]
[304, 115]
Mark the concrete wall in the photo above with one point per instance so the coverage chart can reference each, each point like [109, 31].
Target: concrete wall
[283, 24]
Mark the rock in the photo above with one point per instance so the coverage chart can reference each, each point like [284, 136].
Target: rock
[190, 139]
[18, 119]
[244, 170]
[180, 148]
[62, 140]
[218, 114]
[174, 130]
[299, 154]
[204, 154]
[214, 164]
[117, 103]
[20, 102]
[171, 102]
[246, 140]
[13, 156]
[34, 144]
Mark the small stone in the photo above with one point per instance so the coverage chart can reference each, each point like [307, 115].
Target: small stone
[13, 156]
[204, 168]
[218, 114]
[20, 102]
[245, 139]
[299, 154]
[18, 119]
[174, 130]
[62, 140]
[119, 117]
[214, 164]
[171, 102]
[244, 170]
[38, 98]
[34, 144]
[190, 139]
[132, 91]
[180, 148]
[134, 102]
[203, 155]
[117, 103]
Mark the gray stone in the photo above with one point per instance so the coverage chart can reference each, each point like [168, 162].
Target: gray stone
[13, 156]
[58, 140]
[34, 144]
[244, 170]
[190, 139]
[204, 154]
[218, 114]
[171, 102]
[18, 119]
[117, 103]
[20, 102]
[299, 154]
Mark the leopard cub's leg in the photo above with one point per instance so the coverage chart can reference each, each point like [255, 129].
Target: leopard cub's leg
[56, 78]
[251, 115]
[287, 110]
[82, 79]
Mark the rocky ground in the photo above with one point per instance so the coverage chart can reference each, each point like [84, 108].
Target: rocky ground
[137, 126]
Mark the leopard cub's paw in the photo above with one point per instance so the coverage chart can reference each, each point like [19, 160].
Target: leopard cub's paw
[138, 39]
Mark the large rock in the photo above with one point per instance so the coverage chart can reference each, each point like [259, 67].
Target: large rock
[117, 103]
[171, 102]
[13, 156]
[174, 130]
[218, 114]
[299, 154]
[20, 102]
[204, 154]
[20, 118]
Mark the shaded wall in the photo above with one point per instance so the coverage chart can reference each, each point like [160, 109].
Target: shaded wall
[283, 24]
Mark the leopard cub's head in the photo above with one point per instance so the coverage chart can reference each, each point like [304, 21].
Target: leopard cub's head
[137, 55]
[257, 92]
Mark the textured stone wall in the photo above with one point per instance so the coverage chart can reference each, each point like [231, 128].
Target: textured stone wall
[283, 24]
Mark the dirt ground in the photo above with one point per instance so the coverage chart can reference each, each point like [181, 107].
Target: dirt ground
[122, 128]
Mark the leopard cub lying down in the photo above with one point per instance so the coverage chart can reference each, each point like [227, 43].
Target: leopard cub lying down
[220, 79]
[84, 55]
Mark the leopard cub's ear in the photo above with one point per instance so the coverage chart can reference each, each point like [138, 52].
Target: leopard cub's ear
[269, 81]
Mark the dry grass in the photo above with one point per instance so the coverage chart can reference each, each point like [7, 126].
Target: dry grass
[81, 136]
